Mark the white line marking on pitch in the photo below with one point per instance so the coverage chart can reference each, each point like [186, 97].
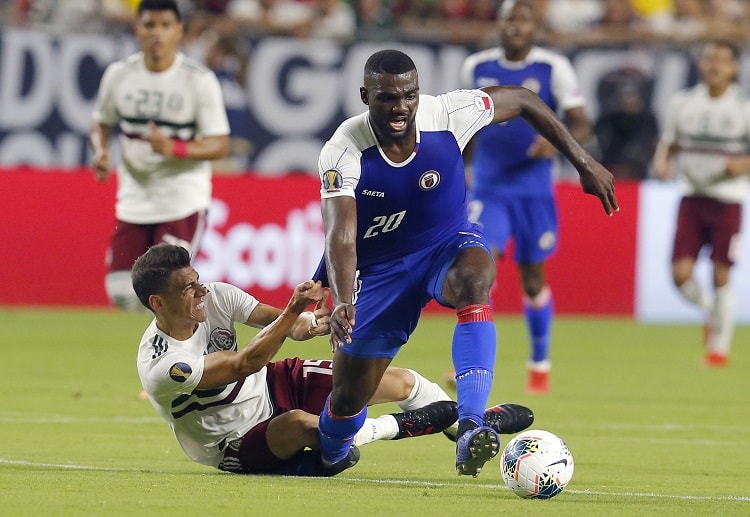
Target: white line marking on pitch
[403, 482]
[572, 491]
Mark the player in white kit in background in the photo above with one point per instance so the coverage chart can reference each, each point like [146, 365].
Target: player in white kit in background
[172, 121]
[707, 133]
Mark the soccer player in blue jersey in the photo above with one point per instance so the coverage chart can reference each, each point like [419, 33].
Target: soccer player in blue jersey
[510, 167]
[393, 199]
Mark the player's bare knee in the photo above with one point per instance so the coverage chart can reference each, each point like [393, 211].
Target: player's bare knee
[532, 287]
[682, 270]
[721, 274]
[306, 424]
[680, 276]
[291, 432]
[399, 382]
[469, 285]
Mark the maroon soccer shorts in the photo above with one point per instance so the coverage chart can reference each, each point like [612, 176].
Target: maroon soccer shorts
[130, 241]
[293, 384]
[703, 221]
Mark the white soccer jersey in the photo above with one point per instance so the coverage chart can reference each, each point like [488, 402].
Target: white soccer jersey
[170, 370]
[185, 102]
[707, 130]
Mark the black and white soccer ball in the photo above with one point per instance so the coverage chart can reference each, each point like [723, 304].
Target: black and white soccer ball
[536, 464]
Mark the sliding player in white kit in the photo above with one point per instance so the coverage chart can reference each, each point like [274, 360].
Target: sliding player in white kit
[172, 121]
[237, 411]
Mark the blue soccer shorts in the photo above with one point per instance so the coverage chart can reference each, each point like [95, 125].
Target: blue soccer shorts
[390, 296]
[531, 222]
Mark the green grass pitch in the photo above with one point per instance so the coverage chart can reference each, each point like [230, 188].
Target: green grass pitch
[653, 433]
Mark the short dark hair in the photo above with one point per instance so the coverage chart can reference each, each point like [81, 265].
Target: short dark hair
[506, 6]
[389, 62]
[159, 5]
[725, 43]
[152, 270]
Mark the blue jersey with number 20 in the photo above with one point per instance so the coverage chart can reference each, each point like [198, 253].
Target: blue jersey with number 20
[412, 205]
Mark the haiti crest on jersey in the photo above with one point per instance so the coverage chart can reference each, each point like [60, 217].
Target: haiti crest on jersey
[429, 180]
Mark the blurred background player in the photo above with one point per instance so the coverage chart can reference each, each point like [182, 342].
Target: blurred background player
[707, 131]
[510, 167]
[172, 121]
[626, 128]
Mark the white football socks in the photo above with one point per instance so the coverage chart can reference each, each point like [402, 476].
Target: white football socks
[385, 427]
[120, 292]
[424, 392]
[722, 317]
[720, 309]
[694, 293]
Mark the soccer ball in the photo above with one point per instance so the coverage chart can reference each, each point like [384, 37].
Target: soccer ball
[536, 464]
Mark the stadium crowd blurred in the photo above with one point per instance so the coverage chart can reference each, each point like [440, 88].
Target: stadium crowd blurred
[220, 34]
[567, 23]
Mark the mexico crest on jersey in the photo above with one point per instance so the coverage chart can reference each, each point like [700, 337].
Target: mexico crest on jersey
[221, 339]
[429, 180]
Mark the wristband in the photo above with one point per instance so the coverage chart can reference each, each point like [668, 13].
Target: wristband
[179, 148]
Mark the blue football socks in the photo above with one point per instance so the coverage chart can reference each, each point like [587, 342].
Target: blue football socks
[474, 348]
[337, 432]
[539, 322]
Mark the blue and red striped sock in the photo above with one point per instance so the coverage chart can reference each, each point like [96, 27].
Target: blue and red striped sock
[336, 433]
[474, 349]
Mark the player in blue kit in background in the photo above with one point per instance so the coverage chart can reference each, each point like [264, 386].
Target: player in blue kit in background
[510, 167]
[393, 200]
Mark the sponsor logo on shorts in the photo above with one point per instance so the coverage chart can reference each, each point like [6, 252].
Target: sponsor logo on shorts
[547, 240]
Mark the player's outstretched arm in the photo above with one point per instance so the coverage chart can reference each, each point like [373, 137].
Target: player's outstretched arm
[737, 165]
[222, 368]
[514, 101]
[662, 161]
[340, 222]
[309, 324]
